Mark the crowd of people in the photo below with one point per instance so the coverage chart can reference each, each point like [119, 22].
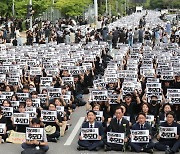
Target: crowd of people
[133, 90]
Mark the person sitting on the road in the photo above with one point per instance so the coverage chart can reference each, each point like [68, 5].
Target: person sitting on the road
[43, 145]
[97, 143]
[117, 125]
[141, 124]
[170, 145]
[53, 128]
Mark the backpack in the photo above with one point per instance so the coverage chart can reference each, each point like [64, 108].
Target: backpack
[32, 151]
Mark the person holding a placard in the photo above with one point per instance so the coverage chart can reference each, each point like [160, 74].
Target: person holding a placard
[91, 135]
[53, 127]
[168, 136]
[20, 127]
[7, 103]
[78, 91]
[29, 104]
[141, 143]
[40, 142]
[132, 107]
[3, 128]
[118, 125]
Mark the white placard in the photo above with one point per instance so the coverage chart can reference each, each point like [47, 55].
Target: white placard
[2, 128]
[168, 132]
[140, 136]
[34, 133]
[36, 102]
[48, 116]
[60, 110]
[7, 111]
[116, 138]
[98, 95]
[99, 115]
[31, 111]
[45, 81]
[15, 105]
[89, 133]
[21, 118]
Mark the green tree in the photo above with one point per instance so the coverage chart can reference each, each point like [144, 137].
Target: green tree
[3, 8]
[72, 8]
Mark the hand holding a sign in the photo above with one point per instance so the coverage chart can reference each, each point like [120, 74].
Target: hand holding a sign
[99, 137]
[177, 137]
[58, 123]
[80, 137]
[126, 140]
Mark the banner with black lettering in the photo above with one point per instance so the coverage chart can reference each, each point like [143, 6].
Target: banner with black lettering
[31, 111]
[99, 115]
[116, 138]
[2, 128]
[7, 94]
[68, 80]
[7, 111]
[89, 133]
[15, 105]
[168, 132]
[46, 81]
[22, 96]
[48, 116]
[98, 95]
[21, 118]
[34, 133]
[43, 98]
[36, 102]
[60, 110]
[140, 136]
[54, 92]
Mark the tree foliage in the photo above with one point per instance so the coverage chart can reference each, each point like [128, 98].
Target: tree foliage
[163, 4]
[72, 7]
[76, 7]
[21, 7]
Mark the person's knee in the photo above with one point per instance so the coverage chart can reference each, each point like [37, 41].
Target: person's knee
[45, 148]
[24, 145]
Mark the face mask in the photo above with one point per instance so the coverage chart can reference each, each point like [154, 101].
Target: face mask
[153, 102]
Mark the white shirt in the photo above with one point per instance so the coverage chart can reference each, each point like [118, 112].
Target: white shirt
[93, 125]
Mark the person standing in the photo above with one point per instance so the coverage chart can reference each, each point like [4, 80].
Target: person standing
[18, 37]
[141, 35]
[109, 40]
[136, 36]
[130, 38]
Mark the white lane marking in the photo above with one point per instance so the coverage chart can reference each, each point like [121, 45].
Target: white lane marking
[74, 132]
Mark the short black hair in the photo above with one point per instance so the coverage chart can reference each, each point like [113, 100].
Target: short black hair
[170, 113]
[91, 111]
[36, 121]
[141, 113]
[120, 109]
[26, 87]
